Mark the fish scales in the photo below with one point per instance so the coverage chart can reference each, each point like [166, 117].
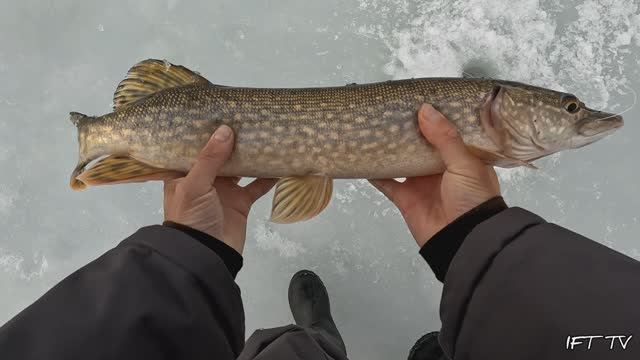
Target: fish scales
[165, 114]
[357, 131]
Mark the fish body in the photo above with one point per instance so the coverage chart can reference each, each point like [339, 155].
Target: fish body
[357, 131]
[164, 115]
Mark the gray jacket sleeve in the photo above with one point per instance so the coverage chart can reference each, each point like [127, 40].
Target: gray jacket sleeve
[518, 287]
[160, 294]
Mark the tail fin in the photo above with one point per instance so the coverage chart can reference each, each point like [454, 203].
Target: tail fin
[75, 183]
[77, 117]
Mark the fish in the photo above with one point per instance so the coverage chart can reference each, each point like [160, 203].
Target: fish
[163, 115]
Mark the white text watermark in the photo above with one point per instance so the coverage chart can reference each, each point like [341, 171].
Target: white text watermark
[589, 341]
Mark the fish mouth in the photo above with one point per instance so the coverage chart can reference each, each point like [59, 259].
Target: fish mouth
[596, 126]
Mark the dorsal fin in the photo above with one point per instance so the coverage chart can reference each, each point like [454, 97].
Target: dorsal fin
[150, 76]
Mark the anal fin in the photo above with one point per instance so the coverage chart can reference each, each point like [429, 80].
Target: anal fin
[300, 198]
[497, 159]
[118, 169]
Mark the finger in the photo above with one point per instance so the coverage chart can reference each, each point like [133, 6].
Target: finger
[426, 182]
[257, 188]
[230, 181]
[202, 175]
[444, 136]
[169, 191]
[170, 186]
[389, 187]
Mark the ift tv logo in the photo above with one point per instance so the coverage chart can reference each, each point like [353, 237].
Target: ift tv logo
[586, 342]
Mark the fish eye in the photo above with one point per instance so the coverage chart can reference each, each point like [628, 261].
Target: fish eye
[571, 104]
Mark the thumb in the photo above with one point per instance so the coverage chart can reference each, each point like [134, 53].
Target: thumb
[388, 187]
[444, 136]
[202, 175]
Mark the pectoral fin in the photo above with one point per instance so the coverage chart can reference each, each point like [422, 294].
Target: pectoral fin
[117, 169]
[497, 159]
[300, 198]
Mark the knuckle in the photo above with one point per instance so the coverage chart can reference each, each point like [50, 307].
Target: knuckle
[208, 156]
[450, 133]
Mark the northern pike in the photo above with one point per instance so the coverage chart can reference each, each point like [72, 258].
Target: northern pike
[164, 114]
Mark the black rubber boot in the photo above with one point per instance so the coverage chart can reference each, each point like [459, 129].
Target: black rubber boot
[427, 348]
[309, 303]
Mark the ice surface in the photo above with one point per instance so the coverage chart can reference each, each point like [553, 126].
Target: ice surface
[69, 56]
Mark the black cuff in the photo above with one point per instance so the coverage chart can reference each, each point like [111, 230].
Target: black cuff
[442, 247]
[231, 258]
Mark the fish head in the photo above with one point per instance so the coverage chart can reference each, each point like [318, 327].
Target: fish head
[528, 122]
